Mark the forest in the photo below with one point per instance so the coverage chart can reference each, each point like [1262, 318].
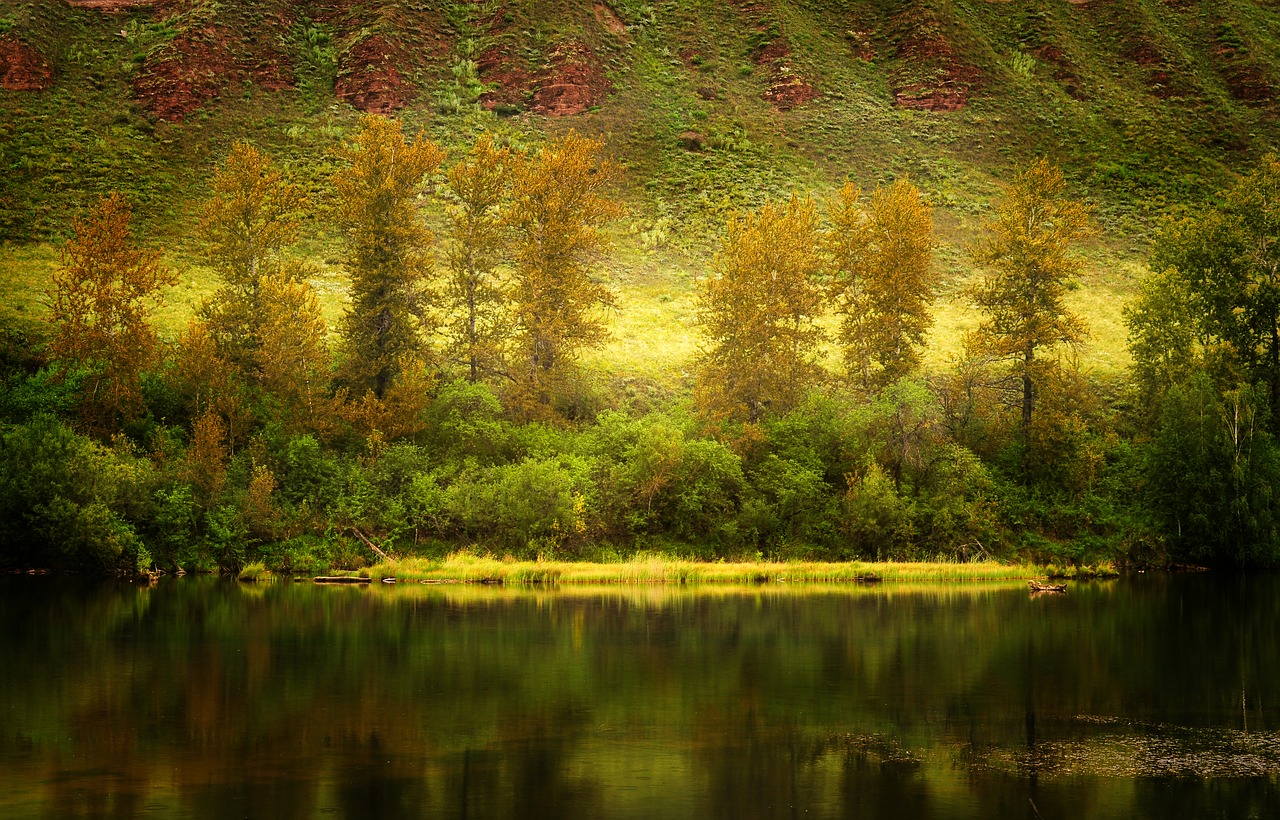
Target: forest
[293, 283]
[450, 410]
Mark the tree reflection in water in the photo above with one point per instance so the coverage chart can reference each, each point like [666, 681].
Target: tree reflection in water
[202, 698]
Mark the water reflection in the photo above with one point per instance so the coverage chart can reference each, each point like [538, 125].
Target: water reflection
[202, 698]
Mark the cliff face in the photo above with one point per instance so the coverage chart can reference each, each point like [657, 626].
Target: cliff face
[1144, 102]
[556, 57]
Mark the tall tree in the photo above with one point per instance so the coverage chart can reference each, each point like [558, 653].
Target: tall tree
[1228, 256]
[758, 313]
[253, 214]
[293, 354]
[1028, 251]
[559, 203]
[882, 279]
[1166, 342]
[387, 252]
[477, 326]
[101, 300]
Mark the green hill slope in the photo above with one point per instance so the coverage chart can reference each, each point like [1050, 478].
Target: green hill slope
[1149, 106]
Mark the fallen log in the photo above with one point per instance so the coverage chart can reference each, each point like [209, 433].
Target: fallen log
[370, 544]
[340, 579]
[1041, 586]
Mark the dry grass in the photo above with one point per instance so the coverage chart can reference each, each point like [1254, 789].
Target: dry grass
[648, 569]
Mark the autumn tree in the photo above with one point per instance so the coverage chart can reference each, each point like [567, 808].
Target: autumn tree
[882, 279]
[758, 313]
[209, 384]
[477, 326]
[559, 202]
[253, 215]
[101, 300]
[1228, 259]
[1028, 252]
[387, 252]
[292, 358]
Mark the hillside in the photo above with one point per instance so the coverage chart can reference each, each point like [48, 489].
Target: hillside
[1149, 106]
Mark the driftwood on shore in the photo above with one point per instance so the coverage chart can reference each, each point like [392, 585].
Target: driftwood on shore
[370, 544]
[1041, 586]
[340, 579]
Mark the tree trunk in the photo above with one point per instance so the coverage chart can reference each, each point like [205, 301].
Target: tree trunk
[1028, 395]
[1273, 381]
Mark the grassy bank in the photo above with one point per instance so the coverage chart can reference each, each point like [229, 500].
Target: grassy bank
[462, 568]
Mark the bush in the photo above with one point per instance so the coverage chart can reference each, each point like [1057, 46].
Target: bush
[537, 504]
[464, 423]
[66, 502]
[876, 520]
[793, 504]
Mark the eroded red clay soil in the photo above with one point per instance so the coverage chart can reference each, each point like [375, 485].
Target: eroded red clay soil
[21, 68]
[112, 6]
[572, 81]
[787, 88]
[1245, 79]
[1063, 70]
[200, 65]
[369, 78]
[210, 59]
[932, 76]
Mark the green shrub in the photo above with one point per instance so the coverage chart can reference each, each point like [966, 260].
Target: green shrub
[66, 502]
[793, 504]
[876, 521]
[538, 502]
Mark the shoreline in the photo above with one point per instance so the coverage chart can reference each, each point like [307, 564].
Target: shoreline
[462, 568]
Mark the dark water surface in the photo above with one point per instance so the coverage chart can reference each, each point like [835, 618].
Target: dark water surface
[201, 698]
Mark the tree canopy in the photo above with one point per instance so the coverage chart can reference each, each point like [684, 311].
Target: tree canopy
[758, 313]
[882, 279]
[388, 252]
[1028, 253]
[101, 300]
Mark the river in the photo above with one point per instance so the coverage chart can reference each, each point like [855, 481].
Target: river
[1152, 696]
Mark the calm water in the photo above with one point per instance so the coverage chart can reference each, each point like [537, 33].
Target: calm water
[1154, 697]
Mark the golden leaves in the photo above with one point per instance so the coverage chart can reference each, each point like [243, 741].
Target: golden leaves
[102, 296]
[1028, 250]
[475, 296]
[758, 313]
[882, 279]
[254, 212]
[387, 250]
[560, 201]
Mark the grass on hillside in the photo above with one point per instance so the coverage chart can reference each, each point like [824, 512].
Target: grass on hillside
[1136, 151]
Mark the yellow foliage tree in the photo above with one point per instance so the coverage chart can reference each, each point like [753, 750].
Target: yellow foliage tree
[559, 203]
[253, 214]
[477, 326]
[293, 354]
[388, 252]
[398, 413]
[1028, 253]
[206, 457]
[882, 279]
[758, 314]
[102, 296]
[213, 387]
